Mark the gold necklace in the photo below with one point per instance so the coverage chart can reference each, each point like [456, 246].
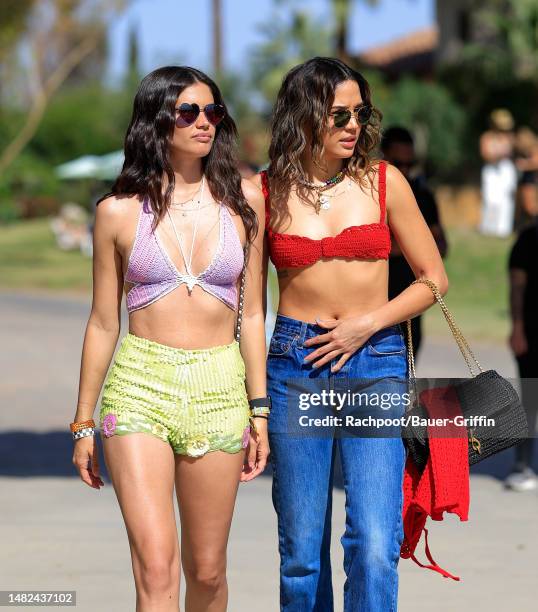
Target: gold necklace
[190, 278]
[184, 211]
[326, 197]
[177, 204]
[322, 201]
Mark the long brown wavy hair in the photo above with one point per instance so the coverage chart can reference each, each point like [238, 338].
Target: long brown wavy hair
[147, 143]
[300, 118]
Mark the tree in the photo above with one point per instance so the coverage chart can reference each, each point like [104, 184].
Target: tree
[217, 36]
[342, 12]
[501, 62]
[13, 17]
[133, 74]
[429, 110]
[59, 35]
[505, 41]
[288, 42]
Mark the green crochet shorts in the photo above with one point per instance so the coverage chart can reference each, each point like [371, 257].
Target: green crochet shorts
[195, 399]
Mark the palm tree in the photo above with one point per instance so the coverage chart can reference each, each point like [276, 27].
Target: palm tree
[287, 43]
[342, 12]
[217, 36]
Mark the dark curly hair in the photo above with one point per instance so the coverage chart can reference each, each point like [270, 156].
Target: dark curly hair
[147, 147]
[300, 117]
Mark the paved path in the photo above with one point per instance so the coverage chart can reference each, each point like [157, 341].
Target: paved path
[43, 504]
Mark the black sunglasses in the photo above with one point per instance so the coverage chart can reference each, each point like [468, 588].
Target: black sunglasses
[363, 114]
[188, 113]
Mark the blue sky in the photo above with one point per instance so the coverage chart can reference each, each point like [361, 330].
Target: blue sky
[179, 31]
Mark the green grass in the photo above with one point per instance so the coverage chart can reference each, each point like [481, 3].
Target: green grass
[476, 267]
[478, 294]
[30, 259]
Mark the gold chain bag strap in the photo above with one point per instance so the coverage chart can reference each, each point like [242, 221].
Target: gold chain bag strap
[240, 308]
[456, 332]
[241, 295]
[486, 393]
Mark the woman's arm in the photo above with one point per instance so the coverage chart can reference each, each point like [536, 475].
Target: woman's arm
[253, 331]
[103, 327]
[418, 247]
[257, 180]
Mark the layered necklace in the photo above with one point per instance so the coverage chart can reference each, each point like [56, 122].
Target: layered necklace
[190, 278]
[179, 205]
[322, 201]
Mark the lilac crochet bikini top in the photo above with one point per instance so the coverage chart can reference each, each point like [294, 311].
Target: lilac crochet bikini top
[154, 274]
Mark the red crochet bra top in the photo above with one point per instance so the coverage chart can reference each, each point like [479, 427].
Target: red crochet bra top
[366, 241]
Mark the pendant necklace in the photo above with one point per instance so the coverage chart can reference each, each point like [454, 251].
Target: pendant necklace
[326, 198]
[179, 205]
[184, 211]
[191, 279]
[322, 201]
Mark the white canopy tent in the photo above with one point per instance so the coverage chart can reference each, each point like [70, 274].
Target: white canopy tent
[104, 167]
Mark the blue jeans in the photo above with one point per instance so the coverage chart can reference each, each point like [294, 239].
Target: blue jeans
[372, 469]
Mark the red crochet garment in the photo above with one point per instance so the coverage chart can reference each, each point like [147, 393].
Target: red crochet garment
[443, 486]
[366, 241]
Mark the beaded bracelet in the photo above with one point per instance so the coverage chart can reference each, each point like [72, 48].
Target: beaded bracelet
[81, 425]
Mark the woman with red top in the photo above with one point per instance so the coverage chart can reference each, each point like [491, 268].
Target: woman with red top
[331, 208]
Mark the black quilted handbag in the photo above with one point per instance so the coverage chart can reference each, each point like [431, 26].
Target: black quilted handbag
[486, 393]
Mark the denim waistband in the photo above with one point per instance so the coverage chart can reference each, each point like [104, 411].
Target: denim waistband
[304, 330]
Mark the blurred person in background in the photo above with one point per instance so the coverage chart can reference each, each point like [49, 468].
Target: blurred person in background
[499, 175]
[523, 270]
[174, 235]
[526, 147]
[246, 169]
[398, 148]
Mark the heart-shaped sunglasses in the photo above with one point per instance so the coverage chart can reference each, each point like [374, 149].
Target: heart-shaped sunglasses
[188, 113]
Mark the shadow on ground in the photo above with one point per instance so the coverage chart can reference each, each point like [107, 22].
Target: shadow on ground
[24, 454]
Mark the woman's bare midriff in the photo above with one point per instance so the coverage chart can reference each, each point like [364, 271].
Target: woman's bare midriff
[335, 288]
[180, 320]
[197, 321]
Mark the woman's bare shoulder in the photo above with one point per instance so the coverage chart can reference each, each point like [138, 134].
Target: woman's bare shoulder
[115, 212]
[396, 181]
[253, 194]
[118, 207]
[116, 203]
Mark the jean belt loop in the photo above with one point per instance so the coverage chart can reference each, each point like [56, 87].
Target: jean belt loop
[302, 334]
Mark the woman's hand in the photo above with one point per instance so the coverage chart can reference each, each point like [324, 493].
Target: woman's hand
[344, 338]
[86, 460]
[256, 452]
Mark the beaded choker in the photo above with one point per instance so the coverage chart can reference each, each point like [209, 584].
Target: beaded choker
[322, 201]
